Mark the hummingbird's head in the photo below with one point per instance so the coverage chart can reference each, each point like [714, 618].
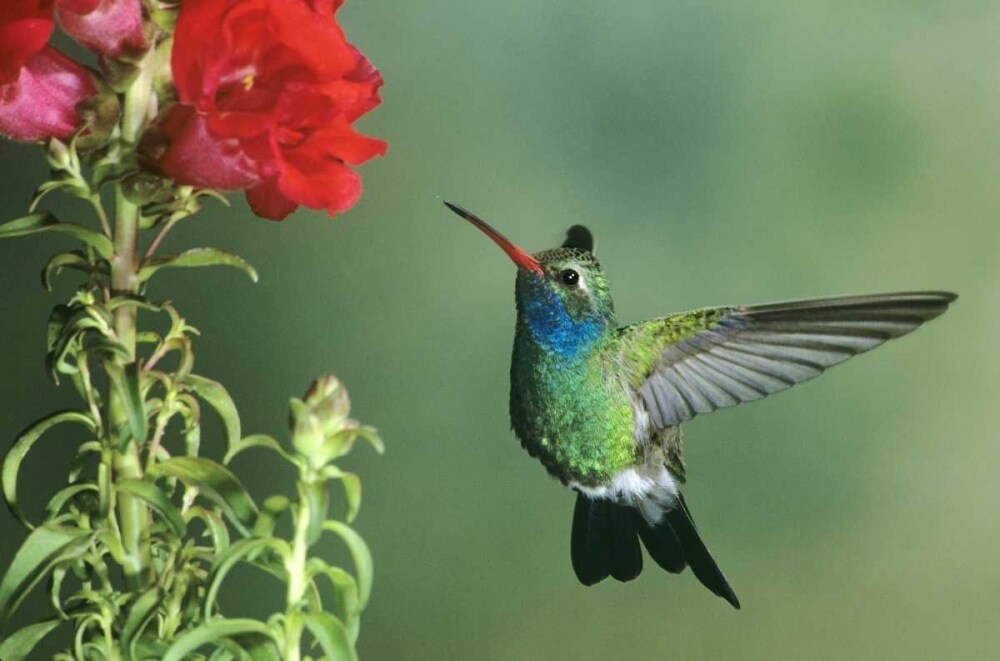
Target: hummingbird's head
[562, 296]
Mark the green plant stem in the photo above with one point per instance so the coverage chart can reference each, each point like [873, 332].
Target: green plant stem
[132, 514]
[133, 518]
[296, 567]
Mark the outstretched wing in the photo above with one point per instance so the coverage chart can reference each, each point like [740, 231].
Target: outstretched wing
[697, 362]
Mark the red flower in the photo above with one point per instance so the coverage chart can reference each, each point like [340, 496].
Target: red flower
[267, 91]
[42, 102]
[39, 86]
[25, 27]
[108, 27]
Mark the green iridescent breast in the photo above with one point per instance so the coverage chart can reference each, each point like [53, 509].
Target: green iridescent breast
[572, 413]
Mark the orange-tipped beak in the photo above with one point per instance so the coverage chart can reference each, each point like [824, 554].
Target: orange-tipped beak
[521, 258]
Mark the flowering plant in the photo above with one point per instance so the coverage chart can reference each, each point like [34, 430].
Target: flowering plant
[182, 100]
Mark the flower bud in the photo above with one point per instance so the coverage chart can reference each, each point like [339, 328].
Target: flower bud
[320, 418]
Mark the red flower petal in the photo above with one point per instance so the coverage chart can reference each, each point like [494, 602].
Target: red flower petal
[335, 188]
[109, 27]
[338, 142]
[25, 27]
[194, 156]
[197, 44]
[316, 37]
[42, 102]
[267, 201]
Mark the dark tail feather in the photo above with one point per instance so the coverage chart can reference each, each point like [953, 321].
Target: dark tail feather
[661, 543]
[702, 564]
[627, 557]
[604, 541]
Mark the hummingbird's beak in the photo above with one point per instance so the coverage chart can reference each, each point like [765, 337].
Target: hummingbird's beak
[521, 258]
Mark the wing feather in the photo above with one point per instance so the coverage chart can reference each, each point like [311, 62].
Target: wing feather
[700, 361]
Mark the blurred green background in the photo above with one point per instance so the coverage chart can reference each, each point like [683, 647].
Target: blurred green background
[722, 153]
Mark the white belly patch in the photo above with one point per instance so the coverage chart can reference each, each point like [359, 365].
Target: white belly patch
[651, 491]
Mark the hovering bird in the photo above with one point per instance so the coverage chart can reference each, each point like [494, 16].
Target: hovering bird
[600, 405]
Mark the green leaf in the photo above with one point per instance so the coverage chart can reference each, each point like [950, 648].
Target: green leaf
[362, 557]
[316, 496]
[64, 495]
[75, 259]
[45, 547]
[273, 507]
[112, 172]
[352, 489]
[126, 383]
[146, 648]
[216, 527]
[12, 462]
[44, 222]
[219, 399]
[215, 482]
[345, 593]
[331, 635]
[55, 589]
[142, 611]
[157, 500]
[247, 647]
[18, 645]
[73, 185]
[239, 551]
[257, 441]
[371, 435]
[211, 632]
[106, 348]
[196, 257]
[340, 443]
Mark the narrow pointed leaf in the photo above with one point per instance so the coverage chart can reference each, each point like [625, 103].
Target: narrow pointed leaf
[347, 603]
[241, 550]
[106, 348]
[331, 635]
[340, 443]
[142, 611]
[147, 648]
[63, 496]
[352, 489]
[46, 546]
[217, 483]
[317, 496]
[257, 441]
[362, 557]
[371, 435]
[44, 222]
[12, 462]
[194, 258]
[75, 259]
[157, 500]
[126, 383]
[107, 173]
[216, 527]
[213, 631]
[247, 647]
[219, 399]
[18, 645]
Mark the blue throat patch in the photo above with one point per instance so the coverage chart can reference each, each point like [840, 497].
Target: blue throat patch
[553, 328]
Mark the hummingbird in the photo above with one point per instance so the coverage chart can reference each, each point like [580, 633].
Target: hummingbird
[601, 405]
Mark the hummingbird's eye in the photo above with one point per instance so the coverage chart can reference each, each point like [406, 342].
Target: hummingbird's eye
[569, 277]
